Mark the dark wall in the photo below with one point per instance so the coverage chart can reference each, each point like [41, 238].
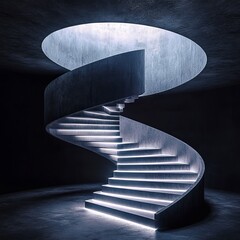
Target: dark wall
[30, 158]
[209, 121]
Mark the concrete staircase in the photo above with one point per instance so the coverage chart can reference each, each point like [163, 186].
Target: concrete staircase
[146, 180]
[158, 179]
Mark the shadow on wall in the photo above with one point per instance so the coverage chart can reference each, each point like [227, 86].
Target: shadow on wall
[31, 158]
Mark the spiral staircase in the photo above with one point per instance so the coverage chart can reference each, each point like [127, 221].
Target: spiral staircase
[158, 181]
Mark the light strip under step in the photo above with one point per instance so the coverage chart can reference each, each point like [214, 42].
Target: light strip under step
[151, 163]
[110, 109]
[147, 189]
[143, 155]
[111, 143]
[154, 171]
[129, 149]
[154, 180]
[92, 119]
[100, 114]
[119, 219]
[88, 130]
[88, 124]
[129, 197]
[91, 136]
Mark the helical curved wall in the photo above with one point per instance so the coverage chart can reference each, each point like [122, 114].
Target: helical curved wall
[159, 179]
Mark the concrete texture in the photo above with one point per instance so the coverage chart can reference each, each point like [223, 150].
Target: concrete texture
[58, 213]
[170, 59]
[214, 25]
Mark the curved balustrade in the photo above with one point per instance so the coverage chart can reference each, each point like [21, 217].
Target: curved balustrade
[159, 179]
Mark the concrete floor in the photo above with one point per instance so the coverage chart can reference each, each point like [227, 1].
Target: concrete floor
[58, 213]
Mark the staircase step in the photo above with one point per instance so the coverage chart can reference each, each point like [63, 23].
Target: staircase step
[88, 126]
[153, 166]
[85, 132]
[131, 151]
[98, 138]
[128, 201]
[162, 195]
[100, 115]
[144, 158]
[153, 183]
[90, 120]
[132, 214]
[116, 145]
[112, 110]
[162, 174]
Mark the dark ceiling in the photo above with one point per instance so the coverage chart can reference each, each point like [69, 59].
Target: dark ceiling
[214, 25]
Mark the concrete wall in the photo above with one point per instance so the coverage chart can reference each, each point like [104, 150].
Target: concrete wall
[94, 84]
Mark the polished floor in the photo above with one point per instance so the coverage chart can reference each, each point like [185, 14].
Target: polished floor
[59, 214]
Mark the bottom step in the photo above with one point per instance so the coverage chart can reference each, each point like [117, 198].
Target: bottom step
[131, 214]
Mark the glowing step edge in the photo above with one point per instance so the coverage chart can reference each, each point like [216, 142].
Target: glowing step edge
[107, 137]
[129, 197]
[112, 109]
[148, 189]
[92, 119]
[154, 171]
[88, 130]
[152, 163]
[100, 114]
[88, 124]
[154, 180]
[143, 155]
[128, 149]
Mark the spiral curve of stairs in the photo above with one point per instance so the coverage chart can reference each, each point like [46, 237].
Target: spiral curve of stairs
[158, 181]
